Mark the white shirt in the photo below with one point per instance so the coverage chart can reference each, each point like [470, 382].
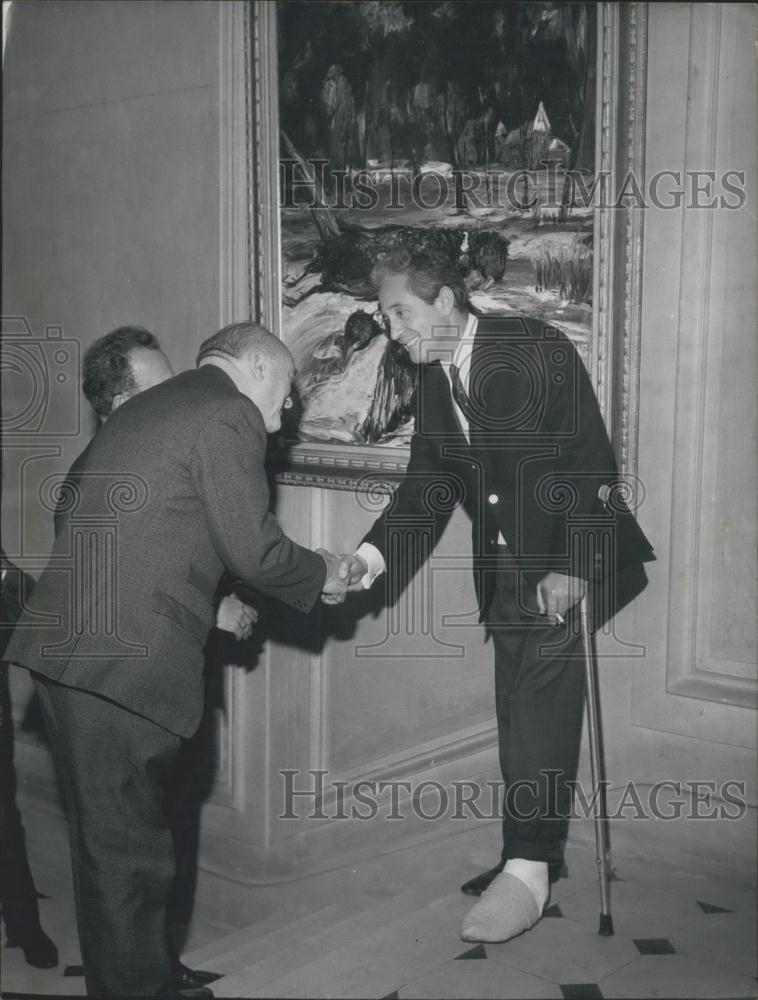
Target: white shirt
[462, 361]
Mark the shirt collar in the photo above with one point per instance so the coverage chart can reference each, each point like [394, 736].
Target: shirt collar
[462, 356]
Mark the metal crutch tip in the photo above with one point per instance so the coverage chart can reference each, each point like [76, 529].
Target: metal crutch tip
[606, 925]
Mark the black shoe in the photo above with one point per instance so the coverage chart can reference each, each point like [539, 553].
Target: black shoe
[37, 947]
[476, 886]
[188, 979]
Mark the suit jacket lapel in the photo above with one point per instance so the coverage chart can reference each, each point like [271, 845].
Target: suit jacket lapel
[438, 412]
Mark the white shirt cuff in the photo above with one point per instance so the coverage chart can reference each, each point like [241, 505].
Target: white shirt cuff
[374, 560]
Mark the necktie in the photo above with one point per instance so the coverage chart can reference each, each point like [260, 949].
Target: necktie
[459, 393]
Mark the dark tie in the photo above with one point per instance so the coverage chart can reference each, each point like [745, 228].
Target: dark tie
[459, 393]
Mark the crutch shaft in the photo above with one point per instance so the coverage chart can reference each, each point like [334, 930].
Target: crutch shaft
[598, 798]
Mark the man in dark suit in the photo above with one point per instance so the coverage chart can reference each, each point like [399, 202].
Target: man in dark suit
[116, 367]
[508, 424]
[173, 493]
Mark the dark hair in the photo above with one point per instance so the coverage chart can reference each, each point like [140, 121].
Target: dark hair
[106, 369]
[426, 272]
[236, 339]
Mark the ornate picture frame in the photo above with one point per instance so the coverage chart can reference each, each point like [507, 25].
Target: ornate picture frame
[251, 238]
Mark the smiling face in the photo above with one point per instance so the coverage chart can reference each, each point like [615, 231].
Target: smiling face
[413, 322]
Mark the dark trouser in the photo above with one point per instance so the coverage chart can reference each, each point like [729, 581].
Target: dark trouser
[17, 893]
[539, 690]
[111, 765]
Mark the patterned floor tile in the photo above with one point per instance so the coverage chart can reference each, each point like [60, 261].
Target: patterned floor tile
[478, 981]
[710, 908]
[690, 885]
[563, 951]
[639, 911]
[419, 955]
[725, 939]
[581, 991]
[654, 946]
[477, 952]
[675, 976]
[18, 977]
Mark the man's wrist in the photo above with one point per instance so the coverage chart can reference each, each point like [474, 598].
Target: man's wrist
[373, 560]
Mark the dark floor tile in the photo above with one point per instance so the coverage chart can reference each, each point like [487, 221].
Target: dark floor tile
[654, 946]
[553, 911]
[712, 908]
[73, 970]
[216, 975]
[477, 952]
[581, 991]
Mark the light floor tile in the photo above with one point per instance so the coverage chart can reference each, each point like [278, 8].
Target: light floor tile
[18, 977]
[563, 951]
[477, 980]
[724, 939]
[638, 911]
[689, 885]
[675, 976]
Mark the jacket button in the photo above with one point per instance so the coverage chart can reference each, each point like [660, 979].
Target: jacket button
[493, 498]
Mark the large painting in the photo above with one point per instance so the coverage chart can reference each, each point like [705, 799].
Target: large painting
[444, 125]
[481, 130]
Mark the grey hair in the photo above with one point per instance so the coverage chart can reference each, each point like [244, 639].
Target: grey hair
[237, 339]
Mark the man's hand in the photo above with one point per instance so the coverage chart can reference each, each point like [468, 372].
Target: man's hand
[556, 593]
[335, 586]
[235, 617]
[350, 570]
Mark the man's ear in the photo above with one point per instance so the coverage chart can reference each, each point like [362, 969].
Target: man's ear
[446, 300]
[257, 364]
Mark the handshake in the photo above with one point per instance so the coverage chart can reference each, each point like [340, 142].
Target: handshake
[343, 575]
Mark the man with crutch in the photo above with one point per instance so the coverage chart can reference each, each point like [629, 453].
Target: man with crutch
[505, 410]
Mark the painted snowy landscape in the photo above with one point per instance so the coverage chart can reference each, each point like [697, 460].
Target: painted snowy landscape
[451, 126]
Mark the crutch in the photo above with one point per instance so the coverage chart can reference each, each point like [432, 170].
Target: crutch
[602, 846]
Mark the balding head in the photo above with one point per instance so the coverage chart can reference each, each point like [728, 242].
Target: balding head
[258, 363]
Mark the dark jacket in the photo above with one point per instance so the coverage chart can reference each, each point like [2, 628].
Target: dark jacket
[68, 491]
[539, 468]
[173, 492]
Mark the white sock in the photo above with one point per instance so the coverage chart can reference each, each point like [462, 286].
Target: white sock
[534, 875]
